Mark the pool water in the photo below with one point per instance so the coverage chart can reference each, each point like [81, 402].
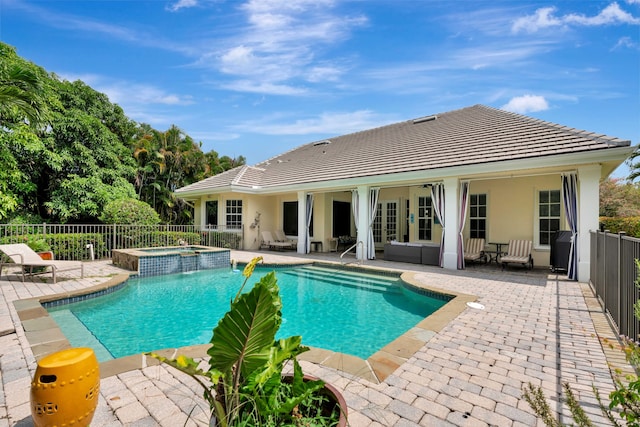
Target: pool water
[338, 310]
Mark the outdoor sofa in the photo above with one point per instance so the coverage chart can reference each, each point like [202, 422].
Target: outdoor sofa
[414, 253]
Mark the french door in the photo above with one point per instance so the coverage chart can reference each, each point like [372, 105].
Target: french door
[385, 224]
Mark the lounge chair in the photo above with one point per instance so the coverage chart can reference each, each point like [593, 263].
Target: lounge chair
[22, 255]
[519, 252]
[281, 237]
[474, 250]
[271, 243]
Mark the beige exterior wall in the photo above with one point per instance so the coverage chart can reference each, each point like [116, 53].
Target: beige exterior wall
[512, 206]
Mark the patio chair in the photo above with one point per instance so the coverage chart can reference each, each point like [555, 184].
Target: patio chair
[519, 252]
[474, 250]
[22, 255]
[271, 243]
[281, 237]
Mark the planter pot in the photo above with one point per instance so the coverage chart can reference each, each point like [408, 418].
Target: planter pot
[48, 255]
[333, 394]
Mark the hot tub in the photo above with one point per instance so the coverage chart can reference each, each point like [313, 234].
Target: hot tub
[171, 259]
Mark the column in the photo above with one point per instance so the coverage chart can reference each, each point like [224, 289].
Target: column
[450, 255]
[302, 222]
[363, 222]
[588, 211]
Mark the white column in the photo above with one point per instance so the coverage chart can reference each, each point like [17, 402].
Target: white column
[588, 211]
[363, 222]
[450, 255]
[302, 222]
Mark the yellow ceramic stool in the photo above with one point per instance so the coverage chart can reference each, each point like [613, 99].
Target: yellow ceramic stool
[65, 388]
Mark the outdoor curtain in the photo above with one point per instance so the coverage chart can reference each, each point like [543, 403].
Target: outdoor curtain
[437, 197]
[354, 206]
[373, 207]
[569, 196]
[464, 201]
[309, 213]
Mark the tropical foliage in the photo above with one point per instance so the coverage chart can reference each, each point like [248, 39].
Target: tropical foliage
[244, 384]
[66, 151]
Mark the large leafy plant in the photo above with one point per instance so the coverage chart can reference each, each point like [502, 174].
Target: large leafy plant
[244, 384]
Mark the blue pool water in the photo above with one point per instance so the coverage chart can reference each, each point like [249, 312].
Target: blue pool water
[333, 309]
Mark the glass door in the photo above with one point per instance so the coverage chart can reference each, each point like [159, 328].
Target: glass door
[385, 224]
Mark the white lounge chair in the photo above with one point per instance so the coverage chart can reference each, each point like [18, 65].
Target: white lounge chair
[22, 255]
[270, 242]
[474, 250]
[519, 252]
[281, 237]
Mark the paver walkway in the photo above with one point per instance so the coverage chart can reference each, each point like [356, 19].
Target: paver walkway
[535, 327]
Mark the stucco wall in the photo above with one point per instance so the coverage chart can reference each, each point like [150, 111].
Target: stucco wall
[511, 209]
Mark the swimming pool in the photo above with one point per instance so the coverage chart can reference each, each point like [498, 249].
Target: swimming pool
[343, 311]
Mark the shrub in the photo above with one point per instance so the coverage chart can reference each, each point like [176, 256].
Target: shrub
[129, 211]
[630, 225]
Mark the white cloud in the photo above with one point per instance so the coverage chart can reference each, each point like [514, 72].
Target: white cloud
[181, 4]
[611, 14]
[545, 18]
[128, 93]
[268, 88]
[526, 104]
[326, 123]
[284, 41]
[625, 42]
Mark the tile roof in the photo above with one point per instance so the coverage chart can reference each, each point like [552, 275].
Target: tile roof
[469, 136]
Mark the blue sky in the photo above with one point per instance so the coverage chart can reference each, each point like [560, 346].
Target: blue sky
[257, 78]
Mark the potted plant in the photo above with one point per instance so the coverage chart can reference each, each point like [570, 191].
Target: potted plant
[245, 384]
[39, 245]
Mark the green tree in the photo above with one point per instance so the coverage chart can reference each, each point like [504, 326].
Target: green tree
[66, 151]
[90, 135]
[129, 211]
[619, 198]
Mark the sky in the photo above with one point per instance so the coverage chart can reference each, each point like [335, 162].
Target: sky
[257, 78]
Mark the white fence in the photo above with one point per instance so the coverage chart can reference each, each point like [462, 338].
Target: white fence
[95, 241]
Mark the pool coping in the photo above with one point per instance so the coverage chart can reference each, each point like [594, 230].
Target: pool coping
[45, 337]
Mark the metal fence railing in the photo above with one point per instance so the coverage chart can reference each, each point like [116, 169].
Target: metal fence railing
[89, 241]
[613, 278]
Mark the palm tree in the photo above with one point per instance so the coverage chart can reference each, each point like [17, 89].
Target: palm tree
[20, 91]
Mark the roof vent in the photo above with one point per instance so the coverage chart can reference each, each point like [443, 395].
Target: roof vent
[424, 119]
[323, 142]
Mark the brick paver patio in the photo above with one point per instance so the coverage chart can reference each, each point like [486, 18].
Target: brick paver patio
[535, 327]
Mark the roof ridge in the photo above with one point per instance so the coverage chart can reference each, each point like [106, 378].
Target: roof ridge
[241, 173]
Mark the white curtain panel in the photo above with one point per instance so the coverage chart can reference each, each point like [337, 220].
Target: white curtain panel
[437, 197]
[373, 207]
[309, 214]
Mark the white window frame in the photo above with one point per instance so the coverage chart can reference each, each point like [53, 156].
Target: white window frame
[485, 217]
[430, 218]
[537, 218]
[233, 208]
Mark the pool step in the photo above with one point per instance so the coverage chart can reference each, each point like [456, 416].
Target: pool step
[82, 336]
[346, 278]
[372, 277]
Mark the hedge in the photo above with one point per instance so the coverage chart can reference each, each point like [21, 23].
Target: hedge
[630, 225]
[71, 246]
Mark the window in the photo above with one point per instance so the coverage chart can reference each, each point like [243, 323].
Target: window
[548, 215]
[478, 216]
[290, 219]
[425, 214]
[234, 213]
[212, 213]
